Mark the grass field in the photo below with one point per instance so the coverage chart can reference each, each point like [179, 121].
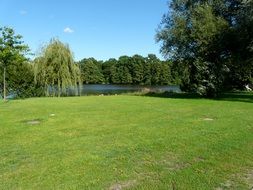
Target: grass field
[126, 142]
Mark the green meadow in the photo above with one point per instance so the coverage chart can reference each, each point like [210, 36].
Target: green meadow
[127, 142]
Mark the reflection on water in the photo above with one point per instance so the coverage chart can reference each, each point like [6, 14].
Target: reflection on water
[96, 89]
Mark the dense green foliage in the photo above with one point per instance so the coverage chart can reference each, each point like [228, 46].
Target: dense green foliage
[20, 77]
[91, 71]
[127, 70]
[54, 72]
[210, 42]
[15, 70]
[55, 69]
[134, 141]
[208, 46]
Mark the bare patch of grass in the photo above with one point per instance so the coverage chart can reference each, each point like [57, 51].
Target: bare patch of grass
[198, 159]
[249, 179]
[32, 121]
[173, 163]
[208, 119]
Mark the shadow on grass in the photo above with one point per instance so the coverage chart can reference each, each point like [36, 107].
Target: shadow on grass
[228, 96]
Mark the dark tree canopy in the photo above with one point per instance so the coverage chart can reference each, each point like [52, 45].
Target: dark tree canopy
[212, 40]
[136, 69]
[91, 71]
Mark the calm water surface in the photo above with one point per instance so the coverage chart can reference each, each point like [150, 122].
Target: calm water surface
[95, 89]
[109, 89]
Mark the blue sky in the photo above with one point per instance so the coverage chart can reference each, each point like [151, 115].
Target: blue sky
[93, 28]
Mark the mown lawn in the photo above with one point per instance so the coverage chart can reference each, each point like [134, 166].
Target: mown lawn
[126, 142]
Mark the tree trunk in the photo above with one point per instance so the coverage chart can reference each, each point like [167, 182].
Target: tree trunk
[4, 84]
[59, 87]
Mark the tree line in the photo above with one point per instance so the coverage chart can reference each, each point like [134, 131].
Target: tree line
[54, 70]
[136, 69]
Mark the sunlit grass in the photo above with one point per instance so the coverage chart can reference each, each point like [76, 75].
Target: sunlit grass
[125, 142]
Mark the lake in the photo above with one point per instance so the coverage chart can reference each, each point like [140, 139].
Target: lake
[111, 89]
[95, 89]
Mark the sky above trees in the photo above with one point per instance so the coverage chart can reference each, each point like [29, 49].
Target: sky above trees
[93, 28]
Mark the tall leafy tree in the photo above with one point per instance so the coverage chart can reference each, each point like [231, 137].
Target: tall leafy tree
[55, 69]
[21, 80]
[138, 69]
[110, 72]
[165, 74]
[241, 46]
[12, 52]
[124, 68]
[205, 38]
[155, 68]
[147, 72]
[91, 71]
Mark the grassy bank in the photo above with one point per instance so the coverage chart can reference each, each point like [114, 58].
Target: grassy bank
[126, 142]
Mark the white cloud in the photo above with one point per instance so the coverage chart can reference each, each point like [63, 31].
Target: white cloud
[23, 12]
[68, 30]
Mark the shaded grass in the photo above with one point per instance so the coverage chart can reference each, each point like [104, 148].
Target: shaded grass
[228, 96]
[133, 142]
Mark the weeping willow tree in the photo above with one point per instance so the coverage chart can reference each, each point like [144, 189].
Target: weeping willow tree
[56, 71]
